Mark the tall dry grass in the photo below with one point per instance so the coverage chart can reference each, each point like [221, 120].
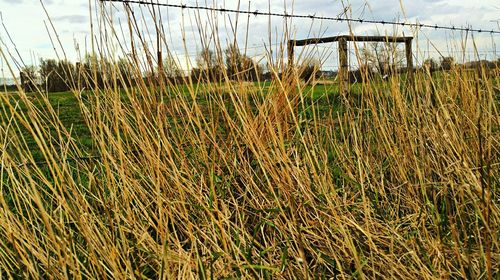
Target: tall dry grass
[231, 180]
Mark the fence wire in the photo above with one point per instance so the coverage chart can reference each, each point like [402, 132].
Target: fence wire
[309, 16]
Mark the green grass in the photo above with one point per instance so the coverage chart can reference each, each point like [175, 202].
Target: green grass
[66, 107]
[227, 181]
[324, 98]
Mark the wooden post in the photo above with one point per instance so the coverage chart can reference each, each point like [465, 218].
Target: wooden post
[161, 73]
[343, 67]
[409, 63]
[288, 72]
[23, 81]
[290, 51]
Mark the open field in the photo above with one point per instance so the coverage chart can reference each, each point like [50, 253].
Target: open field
[149, 177]
[67, 108]
[311, 195]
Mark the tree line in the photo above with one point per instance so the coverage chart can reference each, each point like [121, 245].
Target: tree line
[62, 75]
[232, 63]
[386, 59]
[53, 75]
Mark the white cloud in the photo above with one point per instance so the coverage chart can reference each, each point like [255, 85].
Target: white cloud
[12, 1]
[72, 19]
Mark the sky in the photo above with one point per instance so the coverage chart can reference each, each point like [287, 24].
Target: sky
[26, 34]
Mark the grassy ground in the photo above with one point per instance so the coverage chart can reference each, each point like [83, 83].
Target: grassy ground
[251, 186]
[66, 105]
[233, 180]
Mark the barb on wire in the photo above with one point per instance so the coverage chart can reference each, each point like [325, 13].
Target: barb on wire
[287, 15]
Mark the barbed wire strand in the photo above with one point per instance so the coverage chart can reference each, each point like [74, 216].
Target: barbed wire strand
[310, 16]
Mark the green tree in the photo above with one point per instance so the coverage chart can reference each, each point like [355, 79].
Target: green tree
[240, 66]
[430, 65]
[309, 69]
[447, 63]
[206, 59]
[208, 69]
[382, 58]
[29, 78]
[95, 71]
[48, 74]
[57, 75]
[125, 72]
[171, 67]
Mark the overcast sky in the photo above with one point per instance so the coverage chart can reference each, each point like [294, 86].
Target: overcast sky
[27, 24]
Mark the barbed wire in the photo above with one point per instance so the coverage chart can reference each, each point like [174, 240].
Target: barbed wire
[310, 16]
[462, 51]
[423, 51]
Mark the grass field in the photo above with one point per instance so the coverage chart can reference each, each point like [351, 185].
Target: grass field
[348, 170]
[66, 106]
[239, 180]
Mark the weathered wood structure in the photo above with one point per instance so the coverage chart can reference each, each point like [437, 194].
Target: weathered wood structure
[343, 52]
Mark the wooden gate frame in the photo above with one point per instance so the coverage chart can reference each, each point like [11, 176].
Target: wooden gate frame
[343, 54]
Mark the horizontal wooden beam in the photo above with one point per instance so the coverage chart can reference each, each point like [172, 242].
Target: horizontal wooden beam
[352, 38]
